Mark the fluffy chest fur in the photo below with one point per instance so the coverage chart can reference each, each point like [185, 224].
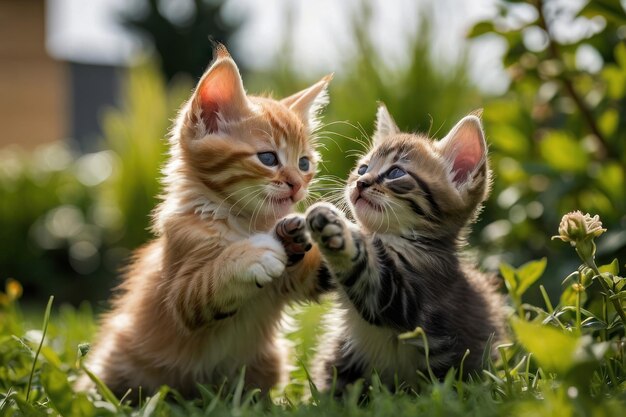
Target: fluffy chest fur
[144, 344]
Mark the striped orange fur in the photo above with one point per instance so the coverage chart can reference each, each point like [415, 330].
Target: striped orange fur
[205, 297]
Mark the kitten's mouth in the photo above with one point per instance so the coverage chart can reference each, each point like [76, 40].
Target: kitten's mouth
[366, 203]
[279, 201]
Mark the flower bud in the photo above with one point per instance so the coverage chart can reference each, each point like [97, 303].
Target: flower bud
[576, 227]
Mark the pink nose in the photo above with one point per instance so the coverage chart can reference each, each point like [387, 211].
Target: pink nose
[295, 187]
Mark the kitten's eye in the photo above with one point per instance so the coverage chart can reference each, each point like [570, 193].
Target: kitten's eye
[362, 169]
[304, 163]
[395, 173]
[268, 158]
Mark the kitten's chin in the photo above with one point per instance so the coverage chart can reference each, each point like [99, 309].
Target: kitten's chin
[280, 207]
[367, 206]
[370, 216]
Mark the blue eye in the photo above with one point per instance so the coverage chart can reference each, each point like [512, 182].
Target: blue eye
[268, 158]
[395, 173]
[362, 169]
[304, 164]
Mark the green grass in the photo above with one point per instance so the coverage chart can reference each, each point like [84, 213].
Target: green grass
[565, 358]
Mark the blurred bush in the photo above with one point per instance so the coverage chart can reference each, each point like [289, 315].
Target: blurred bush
[558, 137]
[69, 221]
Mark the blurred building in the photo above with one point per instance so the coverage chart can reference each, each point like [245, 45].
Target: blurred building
[59, 68]
[33, 94]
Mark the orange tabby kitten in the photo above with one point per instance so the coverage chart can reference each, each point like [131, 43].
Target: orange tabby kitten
[205, 297]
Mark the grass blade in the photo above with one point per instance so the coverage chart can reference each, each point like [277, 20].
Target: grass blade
[46, 319]
[239, 388]
[106, 393]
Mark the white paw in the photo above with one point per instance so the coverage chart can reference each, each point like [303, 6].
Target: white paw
[270, 264]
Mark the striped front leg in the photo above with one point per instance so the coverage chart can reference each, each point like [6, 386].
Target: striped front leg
[373, 278]
[307, 276]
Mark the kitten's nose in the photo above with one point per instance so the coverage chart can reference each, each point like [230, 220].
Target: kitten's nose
[295, 187]
[361, 185]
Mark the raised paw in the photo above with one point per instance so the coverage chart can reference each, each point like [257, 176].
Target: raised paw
[327, 227]
[291, 232]
[268, 263]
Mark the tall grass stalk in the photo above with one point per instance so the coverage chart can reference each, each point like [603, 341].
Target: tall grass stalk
[46, 319]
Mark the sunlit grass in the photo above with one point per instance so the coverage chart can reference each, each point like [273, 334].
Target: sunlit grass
[553, 367]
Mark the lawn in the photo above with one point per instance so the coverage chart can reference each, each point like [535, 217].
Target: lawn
[565, 358]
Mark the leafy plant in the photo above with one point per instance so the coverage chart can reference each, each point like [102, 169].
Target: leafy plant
[557, 136]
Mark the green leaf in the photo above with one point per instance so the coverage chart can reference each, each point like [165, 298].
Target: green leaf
[615, 78]
[563, 153]
[593, 324]
[568, 297]
[509, 140]
[481, 28]
[611, 10]
[152, 404]
[61, 394]
[618, 296]
[607, 277]
[552, 348]
[106, 393]
[501, 111]
[608, 122]
[529, 273]
[508, 273]
[620, 55]
[612, 268]
[611, 180]
[572, 278]
[616, 323]
[27, 408]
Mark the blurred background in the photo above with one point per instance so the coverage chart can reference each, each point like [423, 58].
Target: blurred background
[88, 91]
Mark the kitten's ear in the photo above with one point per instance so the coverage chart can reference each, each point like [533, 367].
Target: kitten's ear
[465, 149]
[385, 125]
[220, 95]
[308, 102]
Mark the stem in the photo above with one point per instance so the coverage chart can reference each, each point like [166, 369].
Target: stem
[578, 319]
[612, 376]
[507, 372]
[616, 302]
[569, 87]
[549, 306]
[605, 316]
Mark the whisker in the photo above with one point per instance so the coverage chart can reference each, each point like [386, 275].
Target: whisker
[251, 197]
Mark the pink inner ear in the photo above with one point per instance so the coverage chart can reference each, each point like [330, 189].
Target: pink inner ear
[210, 107]
[216, 95]
[469, 155]
[462, 168]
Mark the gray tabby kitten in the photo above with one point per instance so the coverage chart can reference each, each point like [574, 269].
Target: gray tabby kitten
[399, 267]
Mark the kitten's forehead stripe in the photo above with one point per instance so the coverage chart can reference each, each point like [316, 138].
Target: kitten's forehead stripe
[225, 163]
[427, 193]
[398, 150]
[286, 128]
